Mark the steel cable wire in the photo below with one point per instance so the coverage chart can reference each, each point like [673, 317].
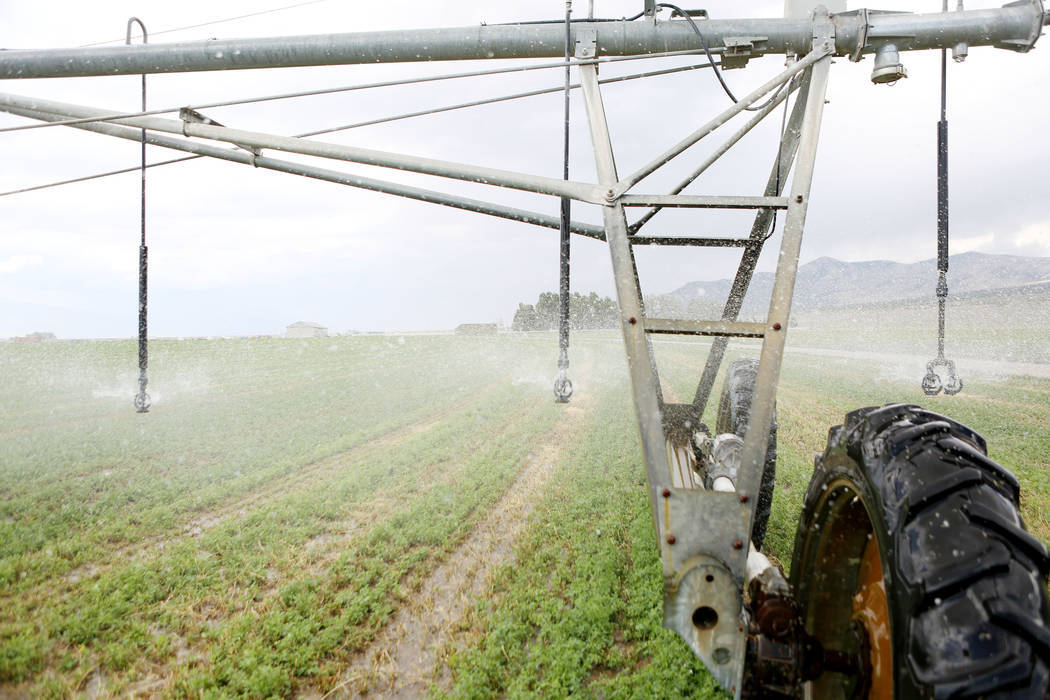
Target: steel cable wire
[370, 122]
[347, 88]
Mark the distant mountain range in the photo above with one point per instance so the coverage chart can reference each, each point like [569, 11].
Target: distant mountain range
[827, 282]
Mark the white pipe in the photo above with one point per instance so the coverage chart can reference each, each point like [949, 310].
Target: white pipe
[757, 562]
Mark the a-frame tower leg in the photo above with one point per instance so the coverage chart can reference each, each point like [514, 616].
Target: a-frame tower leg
[702, 535]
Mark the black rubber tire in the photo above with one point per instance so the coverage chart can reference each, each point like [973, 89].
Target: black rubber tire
[734, 413]
[965, 582]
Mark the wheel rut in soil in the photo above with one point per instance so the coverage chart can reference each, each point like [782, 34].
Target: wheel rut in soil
[407, 656]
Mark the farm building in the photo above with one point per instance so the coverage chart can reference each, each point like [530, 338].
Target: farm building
[34, 338]
[306, 329]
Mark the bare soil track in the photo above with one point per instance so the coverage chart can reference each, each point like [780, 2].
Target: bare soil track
[407, 657]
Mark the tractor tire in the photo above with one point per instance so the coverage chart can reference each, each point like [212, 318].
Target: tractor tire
[911, 555]
[734, 413]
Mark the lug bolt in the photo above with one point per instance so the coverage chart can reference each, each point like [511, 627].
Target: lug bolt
[670, 539]
[737, 544]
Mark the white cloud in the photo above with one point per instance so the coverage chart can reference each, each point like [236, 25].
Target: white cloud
[1034, 236]
[261, 238]
[965, 245]
[15, 263]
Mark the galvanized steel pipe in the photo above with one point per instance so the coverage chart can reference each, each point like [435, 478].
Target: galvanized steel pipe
[48, 110]
[1014, 27]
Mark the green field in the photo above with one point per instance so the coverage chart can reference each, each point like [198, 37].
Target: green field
[365, 513]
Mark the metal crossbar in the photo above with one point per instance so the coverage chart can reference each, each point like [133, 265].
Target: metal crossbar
[729, 329]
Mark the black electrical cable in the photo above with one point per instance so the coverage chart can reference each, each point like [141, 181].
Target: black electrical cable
[718, 73]
[572, 21]
[780, 154]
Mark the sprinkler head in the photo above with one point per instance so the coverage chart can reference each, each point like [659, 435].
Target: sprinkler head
[931, 384]
[888, 66]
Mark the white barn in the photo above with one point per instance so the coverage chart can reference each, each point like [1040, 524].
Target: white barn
[305, 329]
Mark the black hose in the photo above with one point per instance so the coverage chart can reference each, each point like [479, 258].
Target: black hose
[718, 73]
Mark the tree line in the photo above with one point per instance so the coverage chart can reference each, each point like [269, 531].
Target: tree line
[593, 312]
[585, 313]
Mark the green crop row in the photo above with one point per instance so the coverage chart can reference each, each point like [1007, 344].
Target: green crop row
[239, 594]
[285, 498]
[73, 489]
[578, 612]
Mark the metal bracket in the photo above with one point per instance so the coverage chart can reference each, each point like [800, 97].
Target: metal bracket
[823, 30]
[862, 37]
[739, 50]
[192, 116]
[1025, 45]
[715, 629]
[586, 43]
[721, 456]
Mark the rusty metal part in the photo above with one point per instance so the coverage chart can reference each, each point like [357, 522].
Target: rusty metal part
[782, 656]
[773, 608]
[871, 613]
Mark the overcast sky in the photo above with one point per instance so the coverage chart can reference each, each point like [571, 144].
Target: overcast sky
[240, 251]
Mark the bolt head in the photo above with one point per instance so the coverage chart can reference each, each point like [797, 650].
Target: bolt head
[799, 199]
[776, 326]
[666, 493]
[670, 539]
[743, 498]
[738, 544]
[632, 320]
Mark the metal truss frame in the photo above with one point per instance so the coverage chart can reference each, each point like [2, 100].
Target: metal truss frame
[696, 528]
[702, 534]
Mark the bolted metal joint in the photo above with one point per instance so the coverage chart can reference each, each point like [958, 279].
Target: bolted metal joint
[781, 655]
[720, 456]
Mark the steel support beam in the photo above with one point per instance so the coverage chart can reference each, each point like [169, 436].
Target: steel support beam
[756, 441]
[736, 329]
[1014, 27]
[694, 528]
[645, 384]
[778, 178]
[751, 98]
[715, 155]
[428, 166]
[694, 201]
[63, 111]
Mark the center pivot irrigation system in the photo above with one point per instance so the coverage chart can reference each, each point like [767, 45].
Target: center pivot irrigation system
[912, 575]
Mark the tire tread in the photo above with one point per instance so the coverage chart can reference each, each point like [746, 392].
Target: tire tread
[958, 557]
